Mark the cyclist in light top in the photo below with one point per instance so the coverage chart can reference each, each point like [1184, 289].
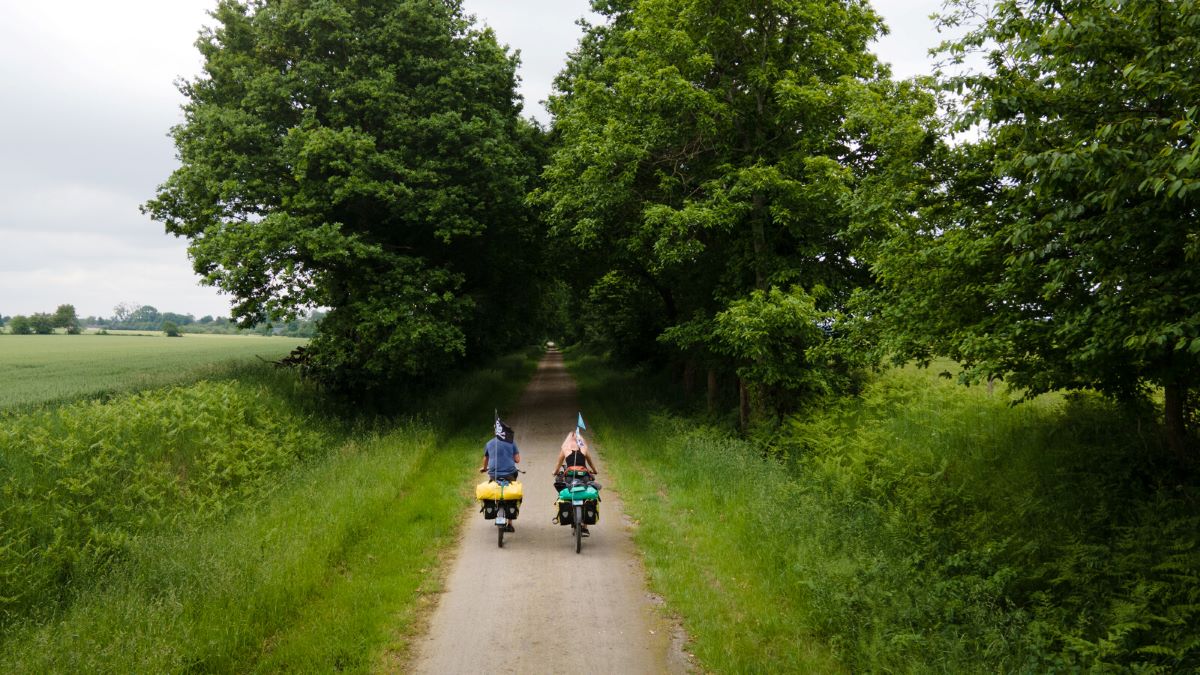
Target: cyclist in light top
[574, 456]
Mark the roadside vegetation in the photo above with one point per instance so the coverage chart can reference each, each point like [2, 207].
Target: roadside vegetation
[39, 369]
[923, 527]
[230, 525]
[738, 193]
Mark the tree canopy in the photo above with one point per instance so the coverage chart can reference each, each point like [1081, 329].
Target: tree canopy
[353, 155]
[712, 155]
[65, 317]
[733, 186]
[1063, 252]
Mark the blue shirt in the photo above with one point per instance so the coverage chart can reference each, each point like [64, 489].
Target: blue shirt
[500, 457]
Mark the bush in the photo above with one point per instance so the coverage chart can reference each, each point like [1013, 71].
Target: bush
[923, 527]
[20, 325]
[42, 323]
[80, 482]
[170, 329]
[1043, 534]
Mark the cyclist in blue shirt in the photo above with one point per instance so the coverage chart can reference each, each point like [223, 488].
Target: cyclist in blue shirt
[500, 458]
[500, 455]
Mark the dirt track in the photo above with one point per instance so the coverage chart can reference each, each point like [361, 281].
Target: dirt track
[521, 609]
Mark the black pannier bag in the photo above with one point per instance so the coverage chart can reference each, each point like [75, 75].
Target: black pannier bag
[491, 509]
[564, 513]
[589, 513]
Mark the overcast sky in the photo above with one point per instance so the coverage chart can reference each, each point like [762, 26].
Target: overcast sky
[87, 97]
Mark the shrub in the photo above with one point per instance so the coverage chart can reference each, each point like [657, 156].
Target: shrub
[80, 481]
[42, 323]
[922, 527]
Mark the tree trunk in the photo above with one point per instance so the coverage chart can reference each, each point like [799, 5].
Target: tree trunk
[712, 390]
[743, 405]
[758, 233]
[689, 378]
[1175, 416]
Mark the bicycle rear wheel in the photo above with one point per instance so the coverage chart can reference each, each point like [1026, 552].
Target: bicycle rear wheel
[578, 528]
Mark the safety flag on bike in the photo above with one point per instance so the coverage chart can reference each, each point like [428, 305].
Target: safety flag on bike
[579, 442]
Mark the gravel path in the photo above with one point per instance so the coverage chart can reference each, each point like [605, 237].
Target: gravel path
[536, 606]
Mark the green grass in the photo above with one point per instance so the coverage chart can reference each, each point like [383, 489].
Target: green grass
[318, 577]
[923, 527]
[318, 568]
[37, 369]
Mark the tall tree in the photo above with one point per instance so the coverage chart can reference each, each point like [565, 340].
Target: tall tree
[1066, 253]
[708, 161]
[352, 155]
[122, 312]
[65, 317]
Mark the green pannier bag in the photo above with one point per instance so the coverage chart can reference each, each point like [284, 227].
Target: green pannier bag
[588, 492]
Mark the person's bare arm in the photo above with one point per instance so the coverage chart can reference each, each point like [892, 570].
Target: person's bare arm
[558, 464]
[484, 467]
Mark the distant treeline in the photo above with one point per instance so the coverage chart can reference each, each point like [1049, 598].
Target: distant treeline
[129, 316]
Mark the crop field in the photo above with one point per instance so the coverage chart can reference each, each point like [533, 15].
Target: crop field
[41, 368]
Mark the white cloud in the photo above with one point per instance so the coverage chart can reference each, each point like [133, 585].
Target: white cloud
[95, 271]
[544, 31]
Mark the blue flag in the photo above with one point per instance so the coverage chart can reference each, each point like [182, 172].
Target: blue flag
[579, 423]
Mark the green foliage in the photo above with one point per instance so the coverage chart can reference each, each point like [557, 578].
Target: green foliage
[768, 337]
[367, 157]
[923, 528]
[709, 151]
[82, 480]
[769, 334]
[41, 323]
[131, 316]
[1064, 253]
[20, 325]
[65, 318]
[316, 565]
[170, 329]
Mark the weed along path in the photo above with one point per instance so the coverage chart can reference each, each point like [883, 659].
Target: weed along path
[535, 606]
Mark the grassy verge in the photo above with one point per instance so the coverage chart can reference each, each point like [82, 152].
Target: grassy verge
[699, 501]
[317, 569]
[921, 528]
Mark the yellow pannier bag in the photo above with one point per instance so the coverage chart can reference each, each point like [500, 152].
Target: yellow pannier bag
[491, 490]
